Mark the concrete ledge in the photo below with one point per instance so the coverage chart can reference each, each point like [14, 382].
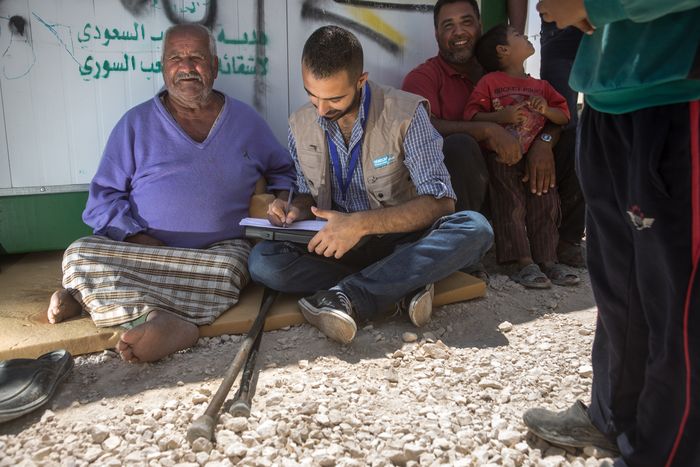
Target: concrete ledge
[27, 282]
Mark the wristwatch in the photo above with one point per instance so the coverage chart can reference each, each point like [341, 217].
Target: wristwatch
[546, 137]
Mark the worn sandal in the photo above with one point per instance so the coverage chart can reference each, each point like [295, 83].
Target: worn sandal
[532, 277]
[561, 275]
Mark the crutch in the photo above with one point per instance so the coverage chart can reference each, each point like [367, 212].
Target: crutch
[249, 379]
[203, 426]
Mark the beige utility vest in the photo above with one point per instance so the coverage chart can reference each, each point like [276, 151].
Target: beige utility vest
[387, 180]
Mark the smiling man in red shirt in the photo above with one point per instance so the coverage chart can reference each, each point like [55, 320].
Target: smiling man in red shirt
[446, 81]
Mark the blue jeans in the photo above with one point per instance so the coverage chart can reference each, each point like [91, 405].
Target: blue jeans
[376, 275]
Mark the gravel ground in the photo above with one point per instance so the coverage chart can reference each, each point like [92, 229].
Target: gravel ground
[451, 393]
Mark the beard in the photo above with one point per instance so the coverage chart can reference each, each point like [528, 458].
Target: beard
[458, 58]
[338, 114]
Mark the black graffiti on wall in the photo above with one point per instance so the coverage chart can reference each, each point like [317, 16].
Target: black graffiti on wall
[17, 25]
[310, 11]
[407, 6]
[260, 83]
[314, 10]
[138, 7]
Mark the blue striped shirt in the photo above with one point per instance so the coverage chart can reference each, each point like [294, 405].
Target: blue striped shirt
[423, 158]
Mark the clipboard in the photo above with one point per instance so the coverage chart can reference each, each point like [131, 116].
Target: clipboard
[298, 232]
[287, 235]
[262, 229]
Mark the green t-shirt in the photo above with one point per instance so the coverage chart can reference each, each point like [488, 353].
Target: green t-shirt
[643, 53]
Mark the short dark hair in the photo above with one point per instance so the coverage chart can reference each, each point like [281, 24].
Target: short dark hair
[441, 3]
[485, 48]
[331, 49]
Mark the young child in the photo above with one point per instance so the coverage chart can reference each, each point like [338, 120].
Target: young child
[525, 223]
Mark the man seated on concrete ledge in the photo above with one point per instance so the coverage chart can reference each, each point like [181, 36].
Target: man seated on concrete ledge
[175, 179]
[370, 163]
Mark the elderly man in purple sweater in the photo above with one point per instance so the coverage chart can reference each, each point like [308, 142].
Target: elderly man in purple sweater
[175, 179]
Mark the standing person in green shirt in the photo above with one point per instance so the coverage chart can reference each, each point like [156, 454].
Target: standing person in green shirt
[639, 67]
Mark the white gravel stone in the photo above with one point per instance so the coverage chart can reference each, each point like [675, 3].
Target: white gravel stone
[99, 433]
[505, 326]
[552, 461]
[437, 350]
[171, 404]
[267, 429]
[92, 453]
[199, 398]
[237, 424]
[41, 453]
[409, 337]
[585, 370]
[201, 445]
[111, 443]
[236, 449]
[598, 453]
[489, 383]
[509, 437]
[47, 416]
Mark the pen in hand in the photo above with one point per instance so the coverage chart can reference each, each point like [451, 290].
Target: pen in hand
[289, 204]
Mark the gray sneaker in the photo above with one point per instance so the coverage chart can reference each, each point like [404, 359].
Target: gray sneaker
[331, 312]
[419, 306]
[570, 428]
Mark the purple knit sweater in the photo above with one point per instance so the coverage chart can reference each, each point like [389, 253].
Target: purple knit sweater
[154, 178]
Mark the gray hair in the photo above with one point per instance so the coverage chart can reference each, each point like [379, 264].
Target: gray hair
[196, 26]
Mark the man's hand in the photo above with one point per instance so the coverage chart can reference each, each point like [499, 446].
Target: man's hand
[566, 13]
[341, 233]
[276, 212]
[538, 104]
[144, 239]
[505, 145]
[515, 114]
[540, 170]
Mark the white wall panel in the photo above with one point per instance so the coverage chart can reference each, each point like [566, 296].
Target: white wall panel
[80, 64]
[394, 40]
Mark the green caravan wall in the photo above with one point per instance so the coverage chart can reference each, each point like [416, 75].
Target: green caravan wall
[41, 222]
[493, 12]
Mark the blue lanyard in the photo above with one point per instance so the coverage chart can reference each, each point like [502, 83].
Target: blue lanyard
[354, 152]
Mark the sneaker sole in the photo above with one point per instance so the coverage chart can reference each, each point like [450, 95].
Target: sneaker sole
[334, 324]
[420, 310]
[558, 439]
[572, 436]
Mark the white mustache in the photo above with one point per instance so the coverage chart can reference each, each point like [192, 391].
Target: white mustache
[181, 76]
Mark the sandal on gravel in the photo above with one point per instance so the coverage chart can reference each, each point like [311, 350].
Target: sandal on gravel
[561, 275]
[532, 277]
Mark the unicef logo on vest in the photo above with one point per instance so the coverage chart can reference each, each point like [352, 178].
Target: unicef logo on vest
[383, 161]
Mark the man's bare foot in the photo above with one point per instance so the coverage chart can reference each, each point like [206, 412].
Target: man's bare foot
[62, 306]
[161, 335]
